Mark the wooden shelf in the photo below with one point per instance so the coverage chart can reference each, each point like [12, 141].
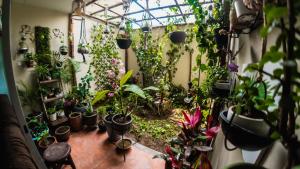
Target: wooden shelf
[52, 99]
[49, 81]
[59, 121]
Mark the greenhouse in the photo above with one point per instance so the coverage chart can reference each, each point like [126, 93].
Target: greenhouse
[150, 84]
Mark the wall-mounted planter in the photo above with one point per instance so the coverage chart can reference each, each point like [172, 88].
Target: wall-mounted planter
[63, 50]
[244, 132]
[124, 43]
[82, 49]
[177, 37]
[245, 166]
[244, 15]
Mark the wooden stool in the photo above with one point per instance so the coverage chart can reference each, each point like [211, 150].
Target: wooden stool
[58, 154]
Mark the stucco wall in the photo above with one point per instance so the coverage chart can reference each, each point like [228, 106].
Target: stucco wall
[34, 16]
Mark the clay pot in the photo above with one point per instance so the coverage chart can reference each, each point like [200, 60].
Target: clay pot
[75, 121]
[62, 133]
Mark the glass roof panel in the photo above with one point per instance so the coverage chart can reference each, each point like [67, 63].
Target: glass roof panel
[158, 3]
[162, 12]
[92, 8]
[137, 16]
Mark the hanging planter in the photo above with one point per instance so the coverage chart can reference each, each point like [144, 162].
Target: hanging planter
[146, 25]
[244, 132]
[178, 37]
[245, 166]
[82, 45]
[123, 37]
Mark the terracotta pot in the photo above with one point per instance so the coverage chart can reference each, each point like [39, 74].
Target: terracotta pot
[43, 145]
[75, 121]
[62, 133]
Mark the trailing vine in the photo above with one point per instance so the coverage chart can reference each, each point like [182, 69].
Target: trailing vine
[107, 65]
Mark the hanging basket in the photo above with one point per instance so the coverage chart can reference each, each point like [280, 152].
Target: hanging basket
[221, 39]
[124, 43]
[82, 49]
[146, 29]
[177, 37]
[245, 166]
[244, 132]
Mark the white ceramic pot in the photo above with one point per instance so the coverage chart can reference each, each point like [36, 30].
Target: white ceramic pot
[61, 113]
[258, 126]
[53, 117]
[243, 14]
[59, 95]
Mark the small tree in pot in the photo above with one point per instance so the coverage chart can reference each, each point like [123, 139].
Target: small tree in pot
[119, 123]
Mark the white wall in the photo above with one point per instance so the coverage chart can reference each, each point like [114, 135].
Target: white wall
[34, 16]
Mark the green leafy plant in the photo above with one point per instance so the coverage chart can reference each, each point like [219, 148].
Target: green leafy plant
[29, 96]
[51, 110]
[42, 72]
[70, 67]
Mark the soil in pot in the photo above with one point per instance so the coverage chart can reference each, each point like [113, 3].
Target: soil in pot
[43, 144]
[121, 124]
[75, 121]
[90, 120]
[178, 37]
[62, 133]
[113, 136]
[124, 43]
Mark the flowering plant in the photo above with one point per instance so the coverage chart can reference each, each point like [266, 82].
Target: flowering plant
[108, 67]
[189, 149]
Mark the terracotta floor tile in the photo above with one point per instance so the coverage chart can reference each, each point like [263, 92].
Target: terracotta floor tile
[92, 150]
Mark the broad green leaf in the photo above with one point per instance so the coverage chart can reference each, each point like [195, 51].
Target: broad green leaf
[136, 90]
[125, 78]
[151, 88]
[272, 56]
[278, 72]
[100, 95]
[275, 12]
[275, 135]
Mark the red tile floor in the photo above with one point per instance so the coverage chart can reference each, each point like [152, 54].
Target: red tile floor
[92, 150]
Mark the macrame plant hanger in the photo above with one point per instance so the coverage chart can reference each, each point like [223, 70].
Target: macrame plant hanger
[82, 41]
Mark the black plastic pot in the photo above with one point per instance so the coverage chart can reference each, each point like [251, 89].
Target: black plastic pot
[63, 50]
[121, 124]
[44, 144]
[90, 119]
[124, 43]
[242, 137]
[221, 89]
[221, 40]
[177, 37]
[244, 166]
[62, 133]
[101, 126]
[146, 29]
[83, 50]
[112, 135]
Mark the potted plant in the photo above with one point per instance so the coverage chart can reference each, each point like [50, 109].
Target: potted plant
[90, 117]
[119, 123]
[83, 48]
[28, 60]
[43, 72]
[37, 129]
[177, 37]
[62, 133]
[246, 124]
[63, 49]
[46, 141]
[123, 37]
[75, 121]
[43, 90]
[52, 113]
[60, 109]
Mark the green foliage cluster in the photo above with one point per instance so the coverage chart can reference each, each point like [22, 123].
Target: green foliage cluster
[42, 40]
[161, 130]
[105, 59]
[149, 55]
